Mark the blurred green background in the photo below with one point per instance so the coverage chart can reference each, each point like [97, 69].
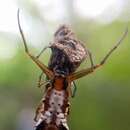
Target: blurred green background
[102, 100]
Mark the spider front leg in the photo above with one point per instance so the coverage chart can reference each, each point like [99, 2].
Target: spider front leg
[44, 68]
[87, 71]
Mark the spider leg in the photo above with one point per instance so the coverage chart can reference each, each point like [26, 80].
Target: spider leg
[44, 68]
[87, 71]
[114, 48]
[44, 83]
[39, 80]
[42, 51]
[75, 89]
[91, 59]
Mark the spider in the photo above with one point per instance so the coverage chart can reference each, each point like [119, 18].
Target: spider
[67, 55]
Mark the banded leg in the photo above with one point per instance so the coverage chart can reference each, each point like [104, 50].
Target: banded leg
[44, 68]
[87, 71]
